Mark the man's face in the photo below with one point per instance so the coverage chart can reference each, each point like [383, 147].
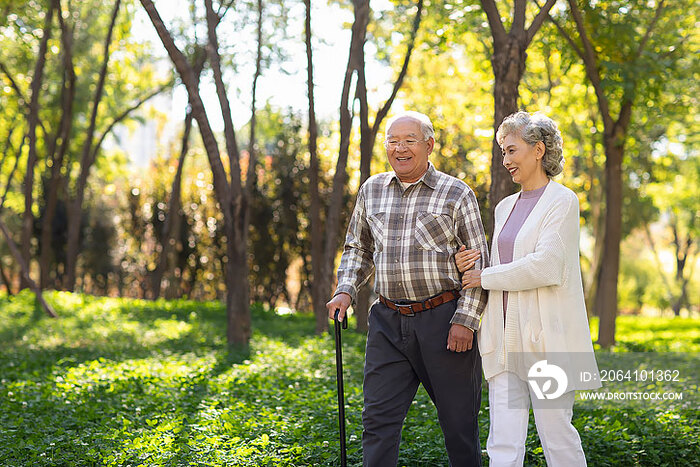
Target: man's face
[407, 149]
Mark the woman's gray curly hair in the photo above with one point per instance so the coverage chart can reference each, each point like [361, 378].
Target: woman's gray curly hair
[534, 128]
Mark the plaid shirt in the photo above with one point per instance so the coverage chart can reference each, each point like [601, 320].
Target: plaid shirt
[411, 237]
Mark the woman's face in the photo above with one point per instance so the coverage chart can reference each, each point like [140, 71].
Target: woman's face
[523, 161]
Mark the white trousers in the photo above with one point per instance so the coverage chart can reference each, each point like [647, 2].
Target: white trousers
[509, 405]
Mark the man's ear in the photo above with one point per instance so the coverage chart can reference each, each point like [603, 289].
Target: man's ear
[431, 144]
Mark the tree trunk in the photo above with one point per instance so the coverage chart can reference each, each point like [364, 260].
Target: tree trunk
[238, 287]
[368, 136]
[596, 201]
[172, 213]
[357, 40]
[24, 268]
[361, 306]
[75, 206]
[659, 264]
[682, 253]
[6, 279]
[606, 298]
[318, 294]
[51, 197]
[614, 135]
[230, 196]
[33, 121]
[238, 327]
[591, 285]
[508, 64]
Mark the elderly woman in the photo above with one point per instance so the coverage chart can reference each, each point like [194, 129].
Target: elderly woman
[535, 326]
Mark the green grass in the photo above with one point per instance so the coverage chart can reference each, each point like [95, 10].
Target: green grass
[130, 382]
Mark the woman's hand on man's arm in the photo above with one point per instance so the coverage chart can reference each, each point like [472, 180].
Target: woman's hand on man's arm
[466, 259]
[471, 279]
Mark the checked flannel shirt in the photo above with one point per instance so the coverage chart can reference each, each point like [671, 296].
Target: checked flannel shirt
[411, 236]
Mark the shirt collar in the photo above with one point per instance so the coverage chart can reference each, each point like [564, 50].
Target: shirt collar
[429, 178]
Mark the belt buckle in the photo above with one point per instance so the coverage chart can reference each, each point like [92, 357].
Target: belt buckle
[410, 309]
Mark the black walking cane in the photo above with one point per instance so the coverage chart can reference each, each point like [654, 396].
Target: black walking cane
[341, 391]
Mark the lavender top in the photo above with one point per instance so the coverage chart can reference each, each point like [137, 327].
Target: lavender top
[506, 239]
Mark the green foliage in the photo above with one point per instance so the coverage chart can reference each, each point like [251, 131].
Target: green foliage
[639, 283]
[643, 333]
[131, 382]
[278, 221]
[140, 203]
[131, 76]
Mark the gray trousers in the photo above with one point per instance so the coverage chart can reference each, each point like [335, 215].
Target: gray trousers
[403, 352]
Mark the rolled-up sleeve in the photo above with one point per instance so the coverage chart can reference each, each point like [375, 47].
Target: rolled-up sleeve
[356, 264]
[470, 232]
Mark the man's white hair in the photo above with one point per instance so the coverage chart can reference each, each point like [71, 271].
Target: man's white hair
[426, 126]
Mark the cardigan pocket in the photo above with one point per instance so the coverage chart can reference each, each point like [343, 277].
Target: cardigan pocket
[532, 326]
[489, 329]
[534, 333]
[487, 342]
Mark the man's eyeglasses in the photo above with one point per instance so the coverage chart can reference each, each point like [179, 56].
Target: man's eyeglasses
[408, 143]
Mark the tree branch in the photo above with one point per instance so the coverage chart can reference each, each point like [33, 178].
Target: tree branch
[590, 61]
[229, 130]
[86, 158]
[12, 172]
[494, 18]
[8, 143]
[13, 83]
[258, 71]
[539, 20]
[20, 94]
[647, 34]
[68, 91]
[659, 264]
[124, 115]
[191, 82]
[566, 36]
[225, 9]
[519, 9]
[384, 110]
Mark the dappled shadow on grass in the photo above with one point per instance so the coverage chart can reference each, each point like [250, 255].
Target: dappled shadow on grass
[91, 422]
[176, 412]
[116, 329]
[118, 382]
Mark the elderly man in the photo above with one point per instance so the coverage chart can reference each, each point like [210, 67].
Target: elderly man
[408, 224]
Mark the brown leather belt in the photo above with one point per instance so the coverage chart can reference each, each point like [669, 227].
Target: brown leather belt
[411, 308]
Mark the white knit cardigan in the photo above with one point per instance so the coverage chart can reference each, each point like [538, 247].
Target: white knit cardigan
[546, 317]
